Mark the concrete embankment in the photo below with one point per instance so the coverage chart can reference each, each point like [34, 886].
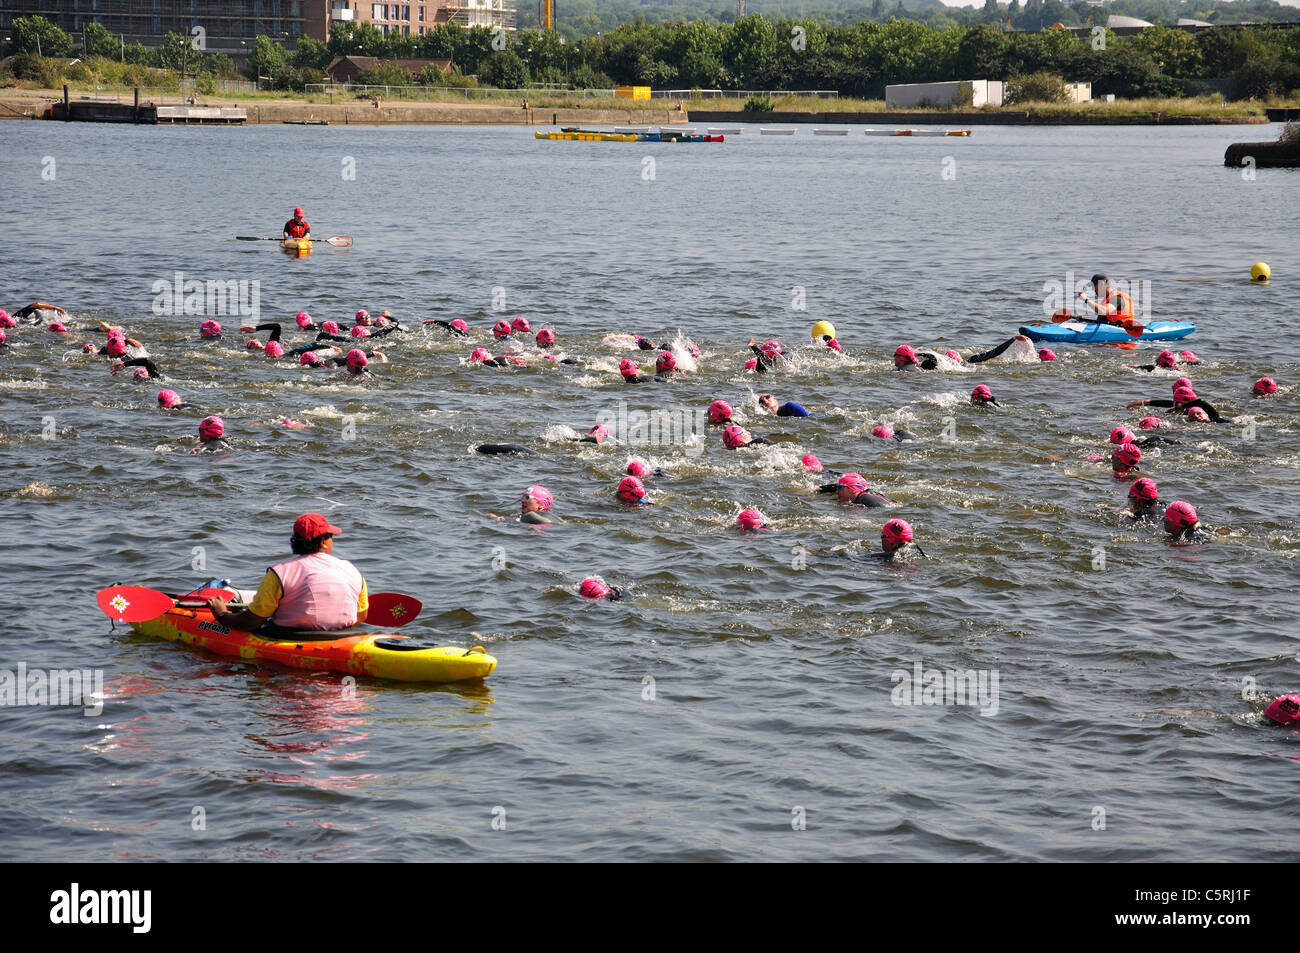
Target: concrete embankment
[1263, 155]
[961, 119]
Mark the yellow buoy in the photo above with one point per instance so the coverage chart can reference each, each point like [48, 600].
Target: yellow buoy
[1260, 273]
[825, 329]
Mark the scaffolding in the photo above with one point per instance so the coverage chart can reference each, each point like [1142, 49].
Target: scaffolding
[472, 13]
[219, 18]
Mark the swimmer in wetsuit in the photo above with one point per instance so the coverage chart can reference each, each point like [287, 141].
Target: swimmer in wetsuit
[1001, 349]
[768, 355]
[719, 413]
[905, 358]
[596, 589]
[788, 409]
[1184, 399]
[639, 468]
[896, 545]
[631, 492]
[852, 488]
[1168, 360]
[211, 436]
[1182, 525]
[535, 504]
[734, 438]
[885, 432]
[144, 362]
[1144, 500]
[455, 326]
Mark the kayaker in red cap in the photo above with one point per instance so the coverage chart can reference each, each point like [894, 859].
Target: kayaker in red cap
[297, 226]
[313, 590]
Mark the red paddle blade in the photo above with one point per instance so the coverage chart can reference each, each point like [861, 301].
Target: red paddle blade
[1063, 315]
[133, 603]
[340, 241]
[392, 608]
[1134, 329]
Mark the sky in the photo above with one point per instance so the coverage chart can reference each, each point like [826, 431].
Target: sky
[970, 3]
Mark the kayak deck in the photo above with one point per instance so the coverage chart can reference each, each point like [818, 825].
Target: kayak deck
[386, 655]
[1094, 332]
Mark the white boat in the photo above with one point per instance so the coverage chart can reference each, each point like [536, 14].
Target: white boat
[725, 131]
[776, 132]
[830, 132]
[631, 129]
[916, 132]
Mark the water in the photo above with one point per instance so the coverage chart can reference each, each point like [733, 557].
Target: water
[1120, 689]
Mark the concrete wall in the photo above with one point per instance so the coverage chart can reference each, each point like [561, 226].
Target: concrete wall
[984, 92]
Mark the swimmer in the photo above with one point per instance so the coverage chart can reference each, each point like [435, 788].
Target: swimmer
[1264, 387]
[1122, 435]
[896, 543]
[885, 432]
[788, 409]
[455, 326]
[1144, 498]
[1182, 524]
[981, 396]
[639, 468]
[501, 330]
[595, 589]
[631, 492]
[210, 330]
[1124, 460]
[170, 400]
[665, 366]
[534, 505]
[1045, 354]
[735, 437]
[1285, 711]
[144, 362]
[482, 357]
[545, 338]
[211, 436]
[852, 488]
[32, 310]
[750, 521]
[631, 372]
[493, 449]
[596, 434]
[1168, 360]
[1026, 345]
[767, 355]
[1184, 398]
[719, 413]
[907, 359]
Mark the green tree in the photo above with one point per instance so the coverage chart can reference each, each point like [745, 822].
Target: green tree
[39, 35]
[311, 53]
[97, 41]
[504, 69]
[1174, 52]
[267, 58]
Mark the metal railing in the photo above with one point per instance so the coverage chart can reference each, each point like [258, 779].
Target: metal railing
[742, 93]
[415, 92]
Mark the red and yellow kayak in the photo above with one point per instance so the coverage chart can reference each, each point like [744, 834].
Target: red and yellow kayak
[348, 651]
[296, 246]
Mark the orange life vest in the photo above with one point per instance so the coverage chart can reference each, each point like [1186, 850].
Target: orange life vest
[297, 229]
[1117, 304]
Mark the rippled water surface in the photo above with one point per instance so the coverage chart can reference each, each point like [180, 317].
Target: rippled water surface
[1131, 676]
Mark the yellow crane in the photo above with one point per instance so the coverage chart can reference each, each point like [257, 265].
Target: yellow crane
[546, 15]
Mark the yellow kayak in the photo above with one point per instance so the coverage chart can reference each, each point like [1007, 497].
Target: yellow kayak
[586, 136]
[296, 246]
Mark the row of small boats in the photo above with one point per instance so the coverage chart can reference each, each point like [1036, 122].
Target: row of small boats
[718, 134]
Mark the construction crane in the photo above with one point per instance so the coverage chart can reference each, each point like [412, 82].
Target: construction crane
[740, 9]
[546, 15]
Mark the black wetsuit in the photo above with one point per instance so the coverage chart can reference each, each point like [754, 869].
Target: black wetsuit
[926, 361]
[220, 445]
[867, 497]
[989, 355]
[496, 448]
[766, 361]
[1153, 441]
[1183, 408]
[753, 442]
[908, 552]
[447, 326]
[1152, 367]
[1192, 534]
[902, 435]
[147, 364]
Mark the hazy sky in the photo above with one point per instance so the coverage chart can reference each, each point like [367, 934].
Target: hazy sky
[969, 3]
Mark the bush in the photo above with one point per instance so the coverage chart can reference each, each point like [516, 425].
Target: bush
[385, 74]
[78, 73]
[205, 83]
[1040, 87]
[504, 70]
[1290, 132]
[758, 104]
[584, 77]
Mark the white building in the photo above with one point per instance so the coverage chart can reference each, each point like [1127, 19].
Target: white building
[981, 92]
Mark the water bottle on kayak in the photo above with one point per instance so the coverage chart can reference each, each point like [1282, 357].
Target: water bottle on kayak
[216, 584]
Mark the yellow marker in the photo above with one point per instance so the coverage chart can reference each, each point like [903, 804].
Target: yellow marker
[826, 329]
[1260, 273]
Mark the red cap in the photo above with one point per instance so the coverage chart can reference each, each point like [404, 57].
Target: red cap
[297, 212]
[312, 525]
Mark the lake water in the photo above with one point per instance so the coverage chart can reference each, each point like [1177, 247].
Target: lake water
[750, 685]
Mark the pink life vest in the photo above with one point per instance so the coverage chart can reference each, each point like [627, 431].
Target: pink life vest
[320, 592]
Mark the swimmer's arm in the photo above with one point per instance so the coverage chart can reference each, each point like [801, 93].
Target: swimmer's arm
[144, 362]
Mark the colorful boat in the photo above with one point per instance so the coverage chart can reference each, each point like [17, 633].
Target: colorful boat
[586, 136]
[1096, 332]
[296, 246]
[347, 651]
[916, 132]
[593, 135]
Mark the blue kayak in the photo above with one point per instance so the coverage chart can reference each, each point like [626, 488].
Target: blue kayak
[1093, 332]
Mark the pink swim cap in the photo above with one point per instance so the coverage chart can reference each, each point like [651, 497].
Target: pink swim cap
[541, 494]
[734, 437]
[303, 319]
[459, 325]
[520, 324]
[545, 337]
[1182, 382]
[58, 327]
[1120, 436]
[981, 393]
[310, 359]
[637, 468]
[593, 589]
[630, 489]
[114, 346]
[953, 355]
[1128, 456]
[330, 327]
[693, 348]
[6, 320]
[1150, 423]
[254, 344]
[750, 519]
[1166, 359]
[362, 315]
[770, 348]
[719, 412]
[1184, 395]
[1181, 514]
[168, 398]
[501, 330]
[665, 363]
[86, 348]
[1285, 710]
[628, 367]
[1144, 488]
[854, 481]
[1198, 414]
[360, 331]
[895, 533]
[906, 353]
[210, 329]
[833, 344]
[274, 349]
[1045, 354]
[812, 463]
[479, 354]
[383, 320]
[600, 432]
[140, 373]
[1265, 386]
[212, 426]
[1190, 357]
[751, 364]
[881, 431]
[357, 358]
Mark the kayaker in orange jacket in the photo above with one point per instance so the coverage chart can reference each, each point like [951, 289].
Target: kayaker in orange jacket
[313, 590]
[297, 226]
[1111, 304]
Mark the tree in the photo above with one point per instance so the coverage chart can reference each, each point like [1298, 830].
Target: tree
[267, 58]
[39, 35]
[1174, 52]
[311, 53]
[97, 41]
[504, 69]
